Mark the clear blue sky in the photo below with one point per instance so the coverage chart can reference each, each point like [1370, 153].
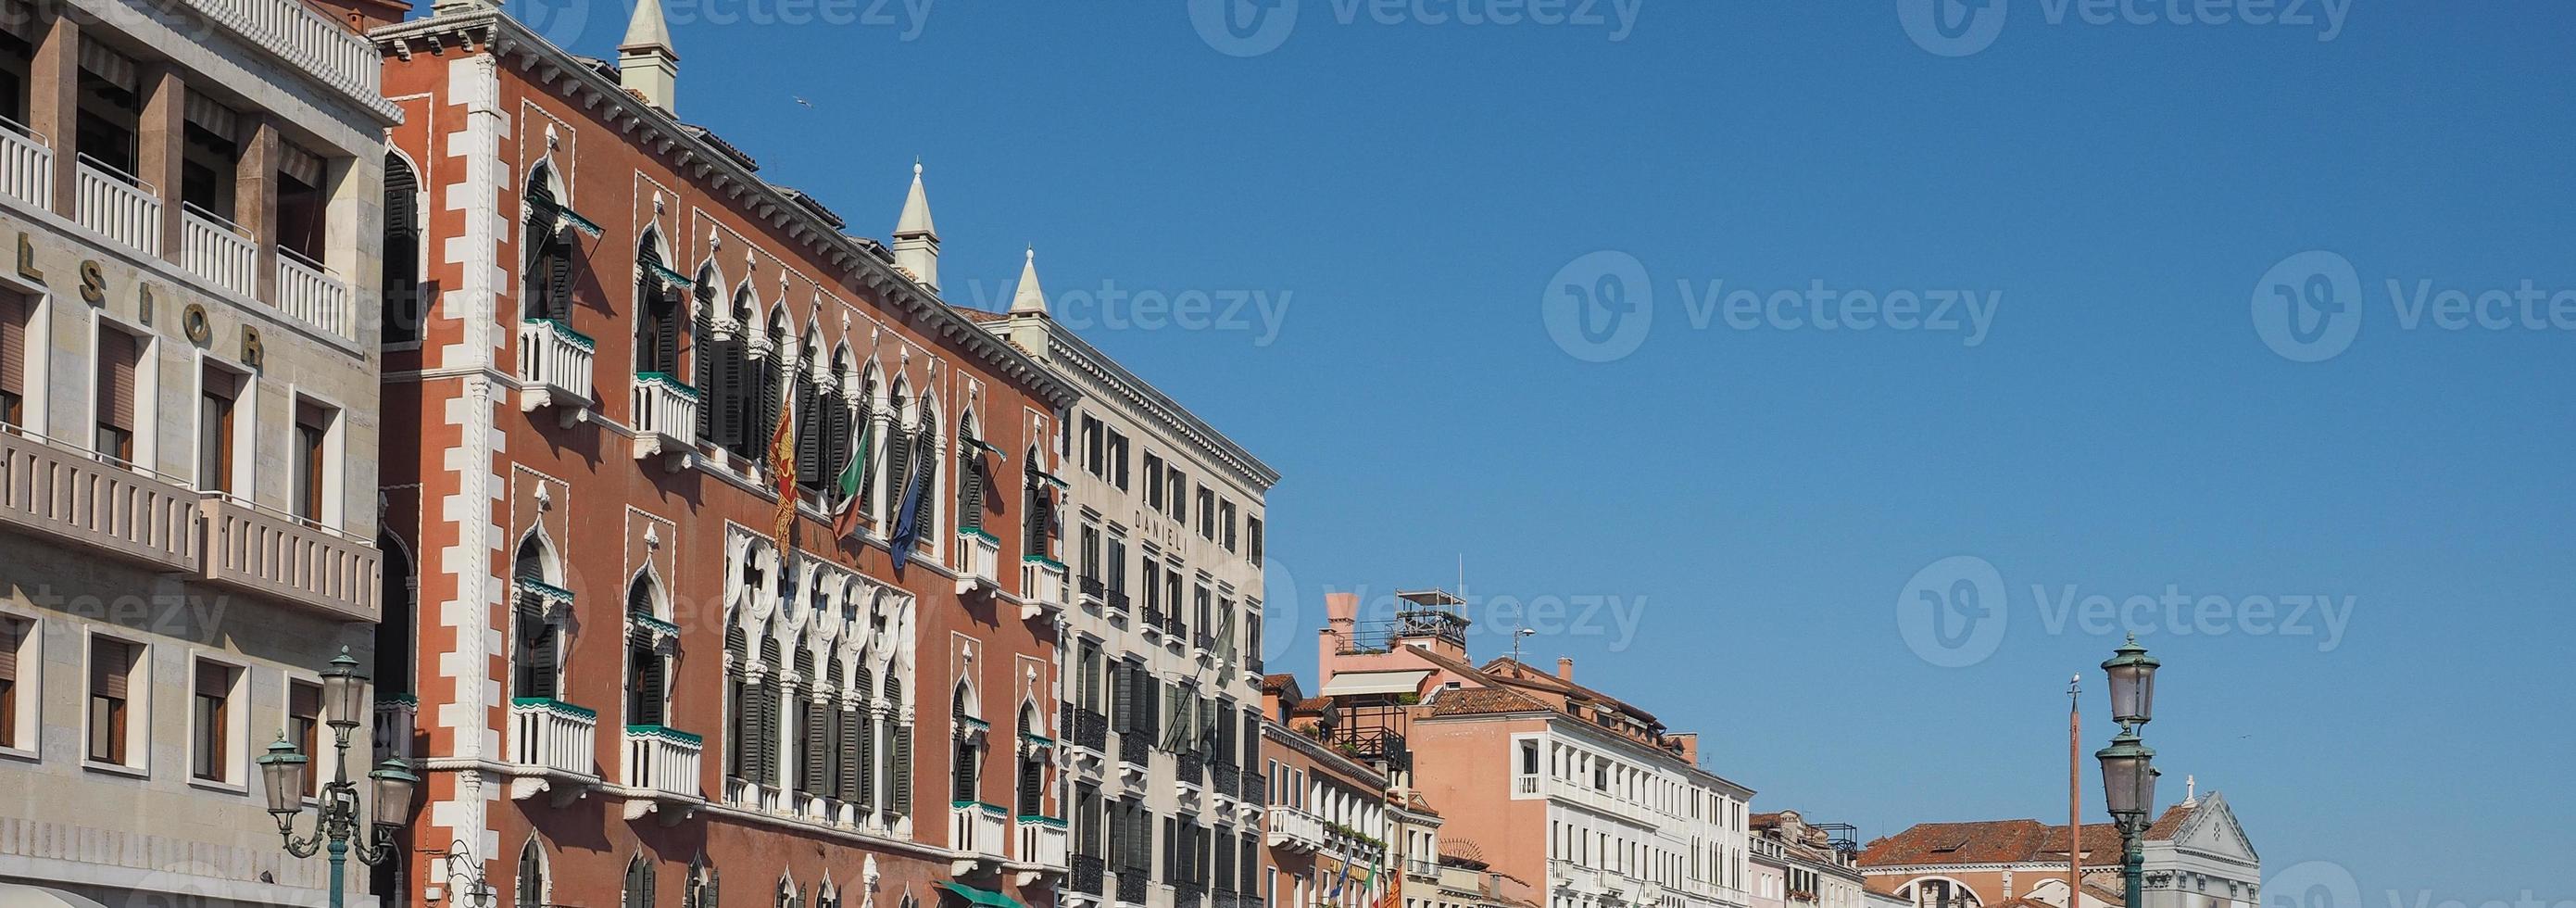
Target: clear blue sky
[1769, 494]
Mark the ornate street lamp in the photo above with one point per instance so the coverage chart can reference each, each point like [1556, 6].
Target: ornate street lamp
[2128, 765]
[339, 828]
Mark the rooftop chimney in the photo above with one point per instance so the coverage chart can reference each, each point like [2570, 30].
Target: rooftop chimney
[646, 64]
[1565, 669]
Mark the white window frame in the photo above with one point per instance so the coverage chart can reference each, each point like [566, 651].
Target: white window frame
[39, 356]
[29, 688]
[335, 454]
[237, 709]
[147, 395]
[138, 705]
[245, 425]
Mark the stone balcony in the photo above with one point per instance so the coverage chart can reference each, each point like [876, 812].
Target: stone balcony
[26, 165]
[290, 560]
[555, 369]
[666, 417]
[73, 497]
[554, 745]
[216, 249]
[1297, 829]
[661, 773]
[978, 560]
[118, 205]
[978, 832]
[1042, 586]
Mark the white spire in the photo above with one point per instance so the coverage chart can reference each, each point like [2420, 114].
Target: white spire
[916, 241]
[646, 62]
[2191, 791]
[1029, 298]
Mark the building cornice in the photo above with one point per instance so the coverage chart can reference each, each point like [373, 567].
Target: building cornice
[723, 176]
[1105, 374]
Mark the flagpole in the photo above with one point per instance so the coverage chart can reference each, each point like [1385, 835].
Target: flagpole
[2075, 793]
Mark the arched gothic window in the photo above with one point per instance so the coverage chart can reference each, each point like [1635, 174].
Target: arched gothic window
[531, 891]
[639, 883]
[536, 648]
[647, 686]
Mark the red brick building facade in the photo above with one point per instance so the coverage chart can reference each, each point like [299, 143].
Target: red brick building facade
[631, 691]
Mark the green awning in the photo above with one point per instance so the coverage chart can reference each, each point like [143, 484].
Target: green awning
[985, 897]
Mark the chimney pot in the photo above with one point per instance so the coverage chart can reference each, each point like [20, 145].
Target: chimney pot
[1565, 669]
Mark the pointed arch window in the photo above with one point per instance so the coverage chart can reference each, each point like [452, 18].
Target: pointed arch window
[531, 890]
[657, 308]
[970, 476]
[967, 776]
[401, 275]
[811, 474]
[925, 458]
[639, 883]
[647, 667]
[536, 647]
[547, 287]
[701, 889]
[1032, 776]
[703, 346]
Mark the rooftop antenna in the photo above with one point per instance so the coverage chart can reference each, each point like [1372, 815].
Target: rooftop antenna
[1518, 636]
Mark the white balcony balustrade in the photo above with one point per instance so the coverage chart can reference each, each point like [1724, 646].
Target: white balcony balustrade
[662, 766]
[73, 497]
[1296, 829]
[975, 827]
[1044, 841]
[307, 292]
[556, 743]
[302, 36]
[118, 205]
[1042, 586]
[285, 559]
[554, 369]
[26, 165]
[978, 557]
[215, 248]
[666, 415]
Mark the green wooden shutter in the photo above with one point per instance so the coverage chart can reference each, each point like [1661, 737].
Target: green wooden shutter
[809, 434]
[817, 747]
[727, 402]
[900, 800]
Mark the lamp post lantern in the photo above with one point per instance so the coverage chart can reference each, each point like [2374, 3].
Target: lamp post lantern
[2128, 765]
[339, 829]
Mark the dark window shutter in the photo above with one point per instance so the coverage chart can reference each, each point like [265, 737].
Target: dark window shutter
[970, 489]
[809, 434]
[853, 729]
[901, 798]
[728, 387]
[541, 661]
[649, 681]
[810, 774]
[864, 766]
[772, 397]
[836, 441]
[735, 733]
[558, 265]
[666, 331]
[13, 343]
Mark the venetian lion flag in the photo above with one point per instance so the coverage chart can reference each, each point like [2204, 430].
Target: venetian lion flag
[782, 470]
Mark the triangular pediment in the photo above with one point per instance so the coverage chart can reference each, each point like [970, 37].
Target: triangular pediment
[2212, 829]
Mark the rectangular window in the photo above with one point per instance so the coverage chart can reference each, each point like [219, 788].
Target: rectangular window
[17, 313]
[215, 429]
[1117, 564]
[1095, 450]
[1225, 523]
[1177, 487]
[1153, 481]
[211, 734]
[1118, 460]
[14, 636]
[1207, 513]
[304, 726]
[120, 358]
[111, 681]
[313, 423]
[1252, 538]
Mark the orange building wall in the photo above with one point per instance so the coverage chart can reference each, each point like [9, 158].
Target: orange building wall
[603, 498]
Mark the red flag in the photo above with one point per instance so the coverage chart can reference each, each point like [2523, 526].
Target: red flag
[782, 469]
